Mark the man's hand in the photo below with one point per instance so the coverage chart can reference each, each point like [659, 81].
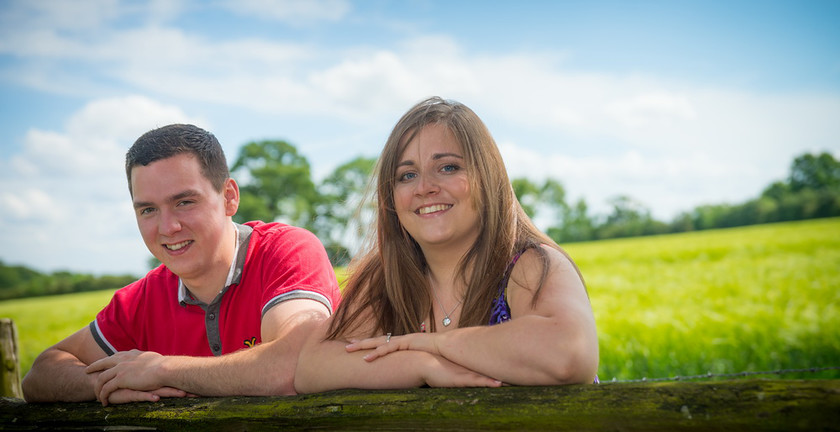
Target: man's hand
[131, 376]
[127, 395]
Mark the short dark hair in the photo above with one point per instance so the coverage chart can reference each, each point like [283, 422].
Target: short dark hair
[175, 139]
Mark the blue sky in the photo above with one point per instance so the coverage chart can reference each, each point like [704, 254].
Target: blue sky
[674, 103]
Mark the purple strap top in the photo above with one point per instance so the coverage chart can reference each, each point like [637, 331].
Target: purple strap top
[501, 311]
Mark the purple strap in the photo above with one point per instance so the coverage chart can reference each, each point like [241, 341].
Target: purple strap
[500, 312]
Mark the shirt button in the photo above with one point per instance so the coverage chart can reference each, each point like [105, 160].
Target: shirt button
[216, 347]
[212, 316]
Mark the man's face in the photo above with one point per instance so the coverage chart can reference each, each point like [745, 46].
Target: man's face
[182, 218]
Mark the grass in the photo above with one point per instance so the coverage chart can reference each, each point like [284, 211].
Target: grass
[43, 321]
[757, 298]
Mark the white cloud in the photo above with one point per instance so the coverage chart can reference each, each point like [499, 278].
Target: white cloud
[651, 109]
[28, 204]
[63, 15]
[66, 191]
[291, 11]
[121, 120]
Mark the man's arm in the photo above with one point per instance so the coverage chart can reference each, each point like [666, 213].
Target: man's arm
[264, 370]
[58, 373]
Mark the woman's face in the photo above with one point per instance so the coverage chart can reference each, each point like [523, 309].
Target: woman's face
[432, 192]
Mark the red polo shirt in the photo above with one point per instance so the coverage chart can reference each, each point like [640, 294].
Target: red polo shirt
[274, 263]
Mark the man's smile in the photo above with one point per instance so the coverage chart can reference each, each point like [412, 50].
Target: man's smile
[177, 246]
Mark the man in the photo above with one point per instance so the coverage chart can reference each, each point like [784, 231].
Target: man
[226, 312]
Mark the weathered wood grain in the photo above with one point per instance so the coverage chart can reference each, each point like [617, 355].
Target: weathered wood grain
[770, 405]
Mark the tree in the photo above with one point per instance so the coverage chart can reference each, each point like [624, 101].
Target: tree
[553, 195]
[275, 184]
[815, 172]
[528, 195]
[777, 191]
[340, 221]
[11, 276]
[577, 224]
[546, 202]
[629, 218]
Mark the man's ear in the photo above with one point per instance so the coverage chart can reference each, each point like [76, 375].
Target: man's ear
[231, 192]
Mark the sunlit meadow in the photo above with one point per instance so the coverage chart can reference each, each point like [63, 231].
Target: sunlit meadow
[725, 301]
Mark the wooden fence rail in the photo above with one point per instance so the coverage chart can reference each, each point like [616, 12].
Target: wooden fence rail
[771, 405]
[759, 405]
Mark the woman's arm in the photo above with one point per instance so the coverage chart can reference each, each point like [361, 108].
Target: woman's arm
[554, 342]
[326, 365]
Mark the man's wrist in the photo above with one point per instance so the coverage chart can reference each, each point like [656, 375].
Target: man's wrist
[92, 381]
[169, 373]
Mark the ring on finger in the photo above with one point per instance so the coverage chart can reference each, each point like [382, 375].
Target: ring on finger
[387, 337]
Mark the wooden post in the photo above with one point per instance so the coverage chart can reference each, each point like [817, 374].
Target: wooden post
[9, 363]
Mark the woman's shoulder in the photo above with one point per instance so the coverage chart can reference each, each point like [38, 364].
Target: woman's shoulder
[540, 255]
[541, 262]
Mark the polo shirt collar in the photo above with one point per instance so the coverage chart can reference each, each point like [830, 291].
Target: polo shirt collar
[240, 251]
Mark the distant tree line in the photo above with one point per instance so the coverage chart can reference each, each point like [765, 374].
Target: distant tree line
[19, 281]
[811, 190]
[276, 185]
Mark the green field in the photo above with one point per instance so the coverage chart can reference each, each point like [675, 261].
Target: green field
[725, 301]
[757, 298]
[43, 321]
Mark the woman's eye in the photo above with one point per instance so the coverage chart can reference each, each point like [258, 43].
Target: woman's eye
[407, 176]
[450, 168]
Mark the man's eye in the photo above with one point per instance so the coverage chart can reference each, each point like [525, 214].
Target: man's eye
[146, 210]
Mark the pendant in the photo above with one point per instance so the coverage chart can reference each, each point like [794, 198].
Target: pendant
[446, 321]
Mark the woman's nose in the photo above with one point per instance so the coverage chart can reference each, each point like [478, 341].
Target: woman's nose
[427, 185]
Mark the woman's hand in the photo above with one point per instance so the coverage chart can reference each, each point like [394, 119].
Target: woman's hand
[383, 345]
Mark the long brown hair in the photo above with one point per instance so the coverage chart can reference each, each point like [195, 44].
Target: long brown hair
[387, 281]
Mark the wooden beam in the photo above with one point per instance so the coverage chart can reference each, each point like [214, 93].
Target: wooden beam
[663, 406]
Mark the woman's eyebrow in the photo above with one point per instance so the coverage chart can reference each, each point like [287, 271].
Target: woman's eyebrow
[437, 156]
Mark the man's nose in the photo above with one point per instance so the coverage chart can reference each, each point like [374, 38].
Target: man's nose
[169, 223]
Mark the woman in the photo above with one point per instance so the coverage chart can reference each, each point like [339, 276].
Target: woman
[453, 252]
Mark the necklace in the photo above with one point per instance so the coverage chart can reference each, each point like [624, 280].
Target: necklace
[446, 321]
